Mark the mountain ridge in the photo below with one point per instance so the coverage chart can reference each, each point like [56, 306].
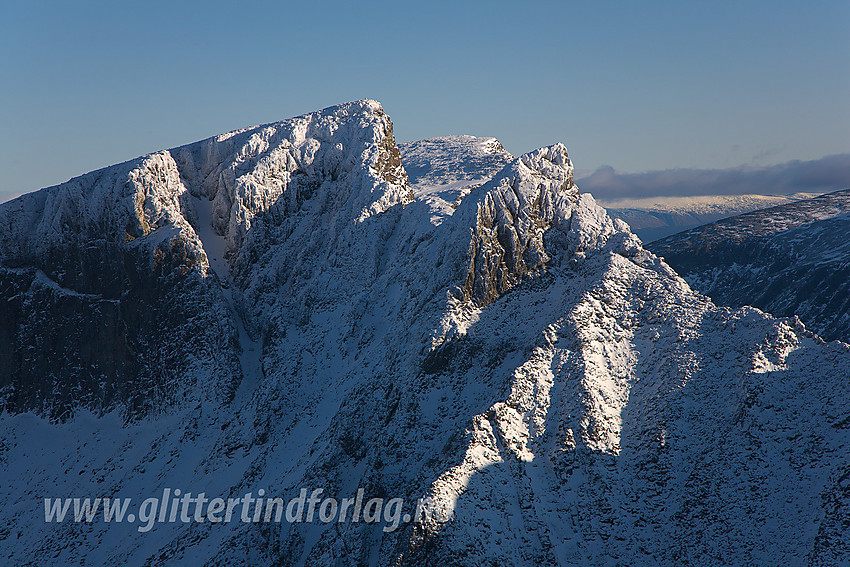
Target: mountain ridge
[653, 218]
[491, 339]
[788, 260]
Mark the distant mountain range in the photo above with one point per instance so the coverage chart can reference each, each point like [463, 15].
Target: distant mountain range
[305, 305]
[788, 260]
[653, 218]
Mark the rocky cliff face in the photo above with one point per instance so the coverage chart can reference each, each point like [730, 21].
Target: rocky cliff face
[106, 301]
[788, 260]
[489, 338]
[110, 299]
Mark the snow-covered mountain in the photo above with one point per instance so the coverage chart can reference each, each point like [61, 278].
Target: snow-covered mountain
[788, 260]
[652, 218]
[289, 311]
[453, 161]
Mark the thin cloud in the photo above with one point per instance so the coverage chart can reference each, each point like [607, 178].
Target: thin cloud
[829, 173]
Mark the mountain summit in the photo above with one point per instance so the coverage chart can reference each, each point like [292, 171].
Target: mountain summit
[279, 308]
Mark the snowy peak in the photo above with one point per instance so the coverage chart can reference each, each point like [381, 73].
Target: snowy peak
[132, 245]
[291, 164]
[443, 170]
[538, 185]
[515, 210]
[243, 172]
[452, 160]
[551, 161]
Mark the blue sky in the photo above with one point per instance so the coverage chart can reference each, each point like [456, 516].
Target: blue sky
[637, 86]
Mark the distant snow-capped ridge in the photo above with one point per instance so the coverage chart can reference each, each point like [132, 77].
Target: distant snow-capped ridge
[652, 218]
[792, 259]
[304, 304]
